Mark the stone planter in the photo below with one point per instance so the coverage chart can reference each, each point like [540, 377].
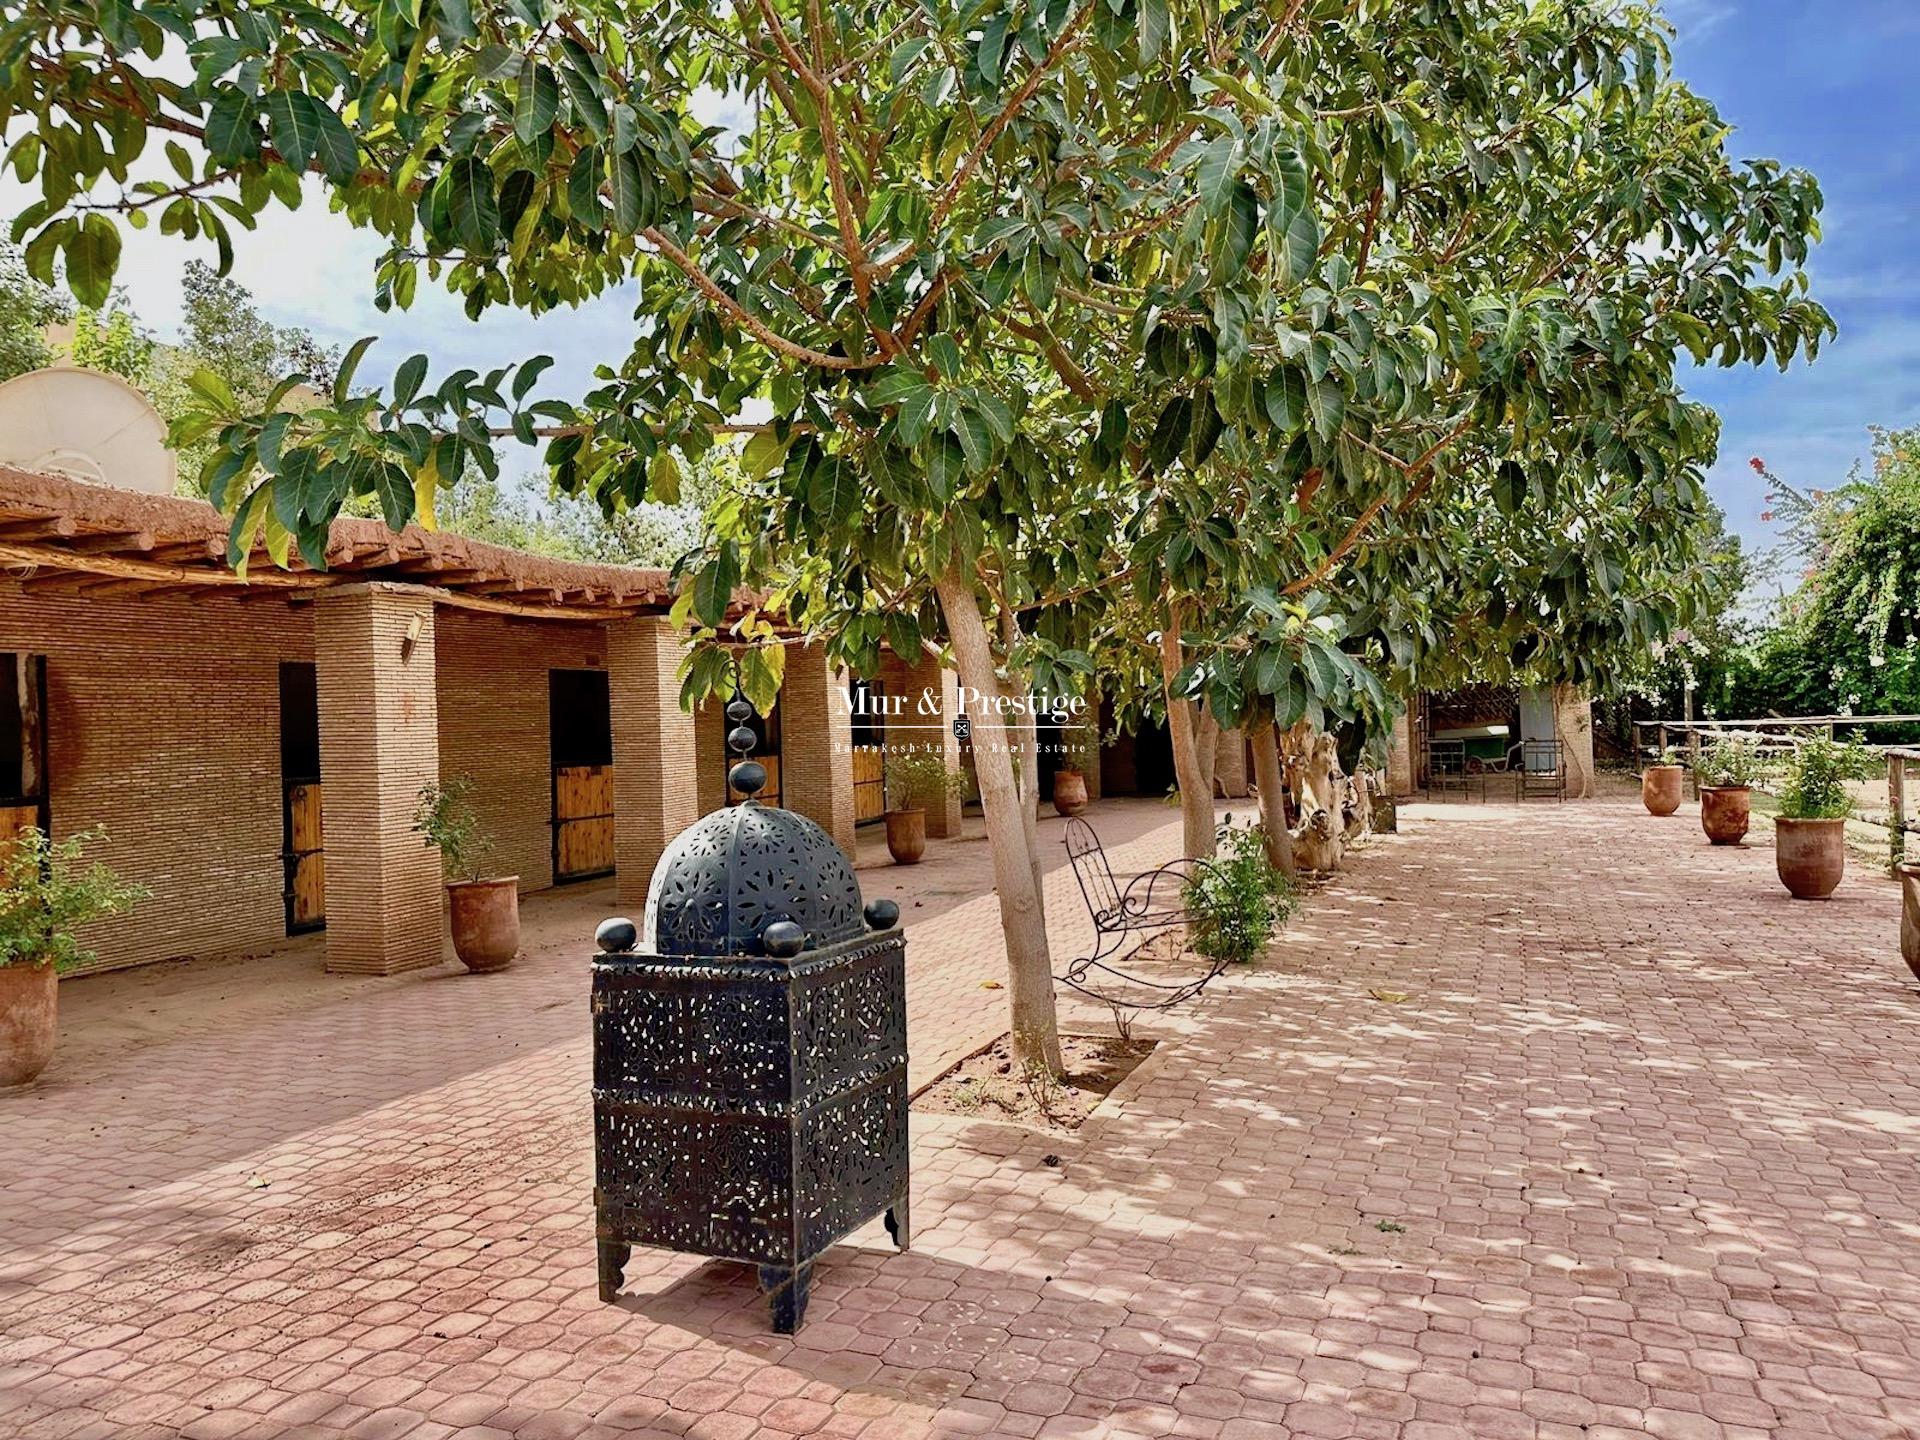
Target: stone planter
[1069, 792]
[1811, 855]
[485, 915]
[1725, 812]
[29, 1006]
[1660, 789]
[907, 836]
[1909, 876]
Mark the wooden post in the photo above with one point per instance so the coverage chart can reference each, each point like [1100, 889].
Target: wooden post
[1897, 810]
[1661, 748]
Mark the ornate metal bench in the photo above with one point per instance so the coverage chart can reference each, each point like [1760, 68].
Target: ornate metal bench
[1126, 918]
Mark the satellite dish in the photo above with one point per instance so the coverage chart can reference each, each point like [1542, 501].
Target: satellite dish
[86, 425]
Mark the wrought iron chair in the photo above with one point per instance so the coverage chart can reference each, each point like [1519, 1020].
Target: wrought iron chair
[1447, 765]
[1125, 919]
[1542, 769]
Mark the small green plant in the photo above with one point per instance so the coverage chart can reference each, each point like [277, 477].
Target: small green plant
[918, 778]
[445, 817]
[48, 894]
[1235, 903]
[1730, 760]
[1666, 755]
[1390, 1227]
[1813, 784]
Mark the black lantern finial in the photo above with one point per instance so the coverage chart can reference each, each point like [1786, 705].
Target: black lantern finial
[748, 777]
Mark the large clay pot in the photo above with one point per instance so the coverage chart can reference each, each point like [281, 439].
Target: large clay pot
[1909, 874]
[907, 835]
[1725, 811]
[486, 922]
[1069, 792]
[1660, 789]
[29, 1001]
[1811, 855]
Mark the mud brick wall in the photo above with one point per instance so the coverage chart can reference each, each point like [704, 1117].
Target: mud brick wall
[163, 725]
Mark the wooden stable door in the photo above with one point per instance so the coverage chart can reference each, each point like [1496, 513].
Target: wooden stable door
[302, 846]
[23, 750]
[580, 718]
[869, 783]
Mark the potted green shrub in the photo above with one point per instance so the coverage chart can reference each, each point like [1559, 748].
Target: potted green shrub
[1810, 832]
[915, 779]
[1237, 900]
[1660, 783]
[484, 911]
[1727, 771]
[49, 894]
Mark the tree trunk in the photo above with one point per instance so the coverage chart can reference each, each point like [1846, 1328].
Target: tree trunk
[1027, 772]
[1036, 1028]
[1273, 803]
[1196, 794]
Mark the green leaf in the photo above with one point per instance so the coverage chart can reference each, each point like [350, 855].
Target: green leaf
[407, 380]
[293, 125]
[343, 377]
[1170, 432]
[763, 454]
[946, 355]
[1510, 487]
[629, 201]
[393, 488]
[663, 478]
[976, 440]
[536, 101]
[583, 188]
[334, 145]
[1155, 26]
[714, 584]
[1327, 404]
[471, 205]
[231, 138]
[93, 254]
[1286, 399]
[1214, 175]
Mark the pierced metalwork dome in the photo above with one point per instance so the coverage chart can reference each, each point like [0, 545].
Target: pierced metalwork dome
[727, 878]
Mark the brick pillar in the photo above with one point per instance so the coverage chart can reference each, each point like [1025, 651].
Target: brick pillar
[816, 743]
[1400, 777]
[1230, 763]
[710, 754]
[930, 694]
[379, 743]
[655, 791]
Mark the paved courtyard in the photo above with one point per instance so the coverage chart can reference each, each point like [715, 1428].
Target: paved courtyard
[1544, 1122]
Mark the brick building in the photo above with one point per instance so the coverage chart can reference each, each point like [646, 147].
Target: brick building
[255, 746]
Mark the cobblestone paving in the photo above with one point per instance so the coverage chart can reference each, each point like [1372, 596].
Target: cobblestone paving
[1544, 1123]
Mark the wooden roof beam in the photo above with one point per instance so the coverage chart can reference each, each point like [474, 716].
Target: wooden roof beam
[47, 527]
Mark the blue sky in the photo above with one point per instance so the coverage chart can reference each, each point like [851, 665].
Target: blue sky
[1828, 85]
[1825, 84]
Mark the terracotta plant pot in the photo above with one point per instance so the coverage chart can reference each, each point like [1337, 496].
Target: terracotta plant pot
[1069, 792]
[906, 836]
[486, 922]
[1909, 876]
[1660, 789]
[1811, 855]
[29, 1005]
[1725, 811]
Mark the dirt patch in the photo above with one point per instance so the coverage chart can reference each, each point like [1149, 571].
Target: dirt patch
[991, 1085]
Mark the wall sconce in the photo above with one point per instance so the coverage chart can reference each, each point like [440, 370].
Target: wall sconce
[412, 638]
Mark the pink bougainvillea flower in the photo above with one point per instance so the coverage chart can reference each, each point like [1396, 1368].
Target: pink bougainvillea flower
[1759, 465]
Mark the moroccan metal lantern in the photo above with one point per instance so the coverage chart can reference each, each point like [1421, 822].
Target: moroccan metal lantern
[750, 1056]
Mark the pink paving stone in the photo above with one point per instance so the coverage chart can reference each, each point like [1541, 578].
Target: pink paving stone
[1645, 1122]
